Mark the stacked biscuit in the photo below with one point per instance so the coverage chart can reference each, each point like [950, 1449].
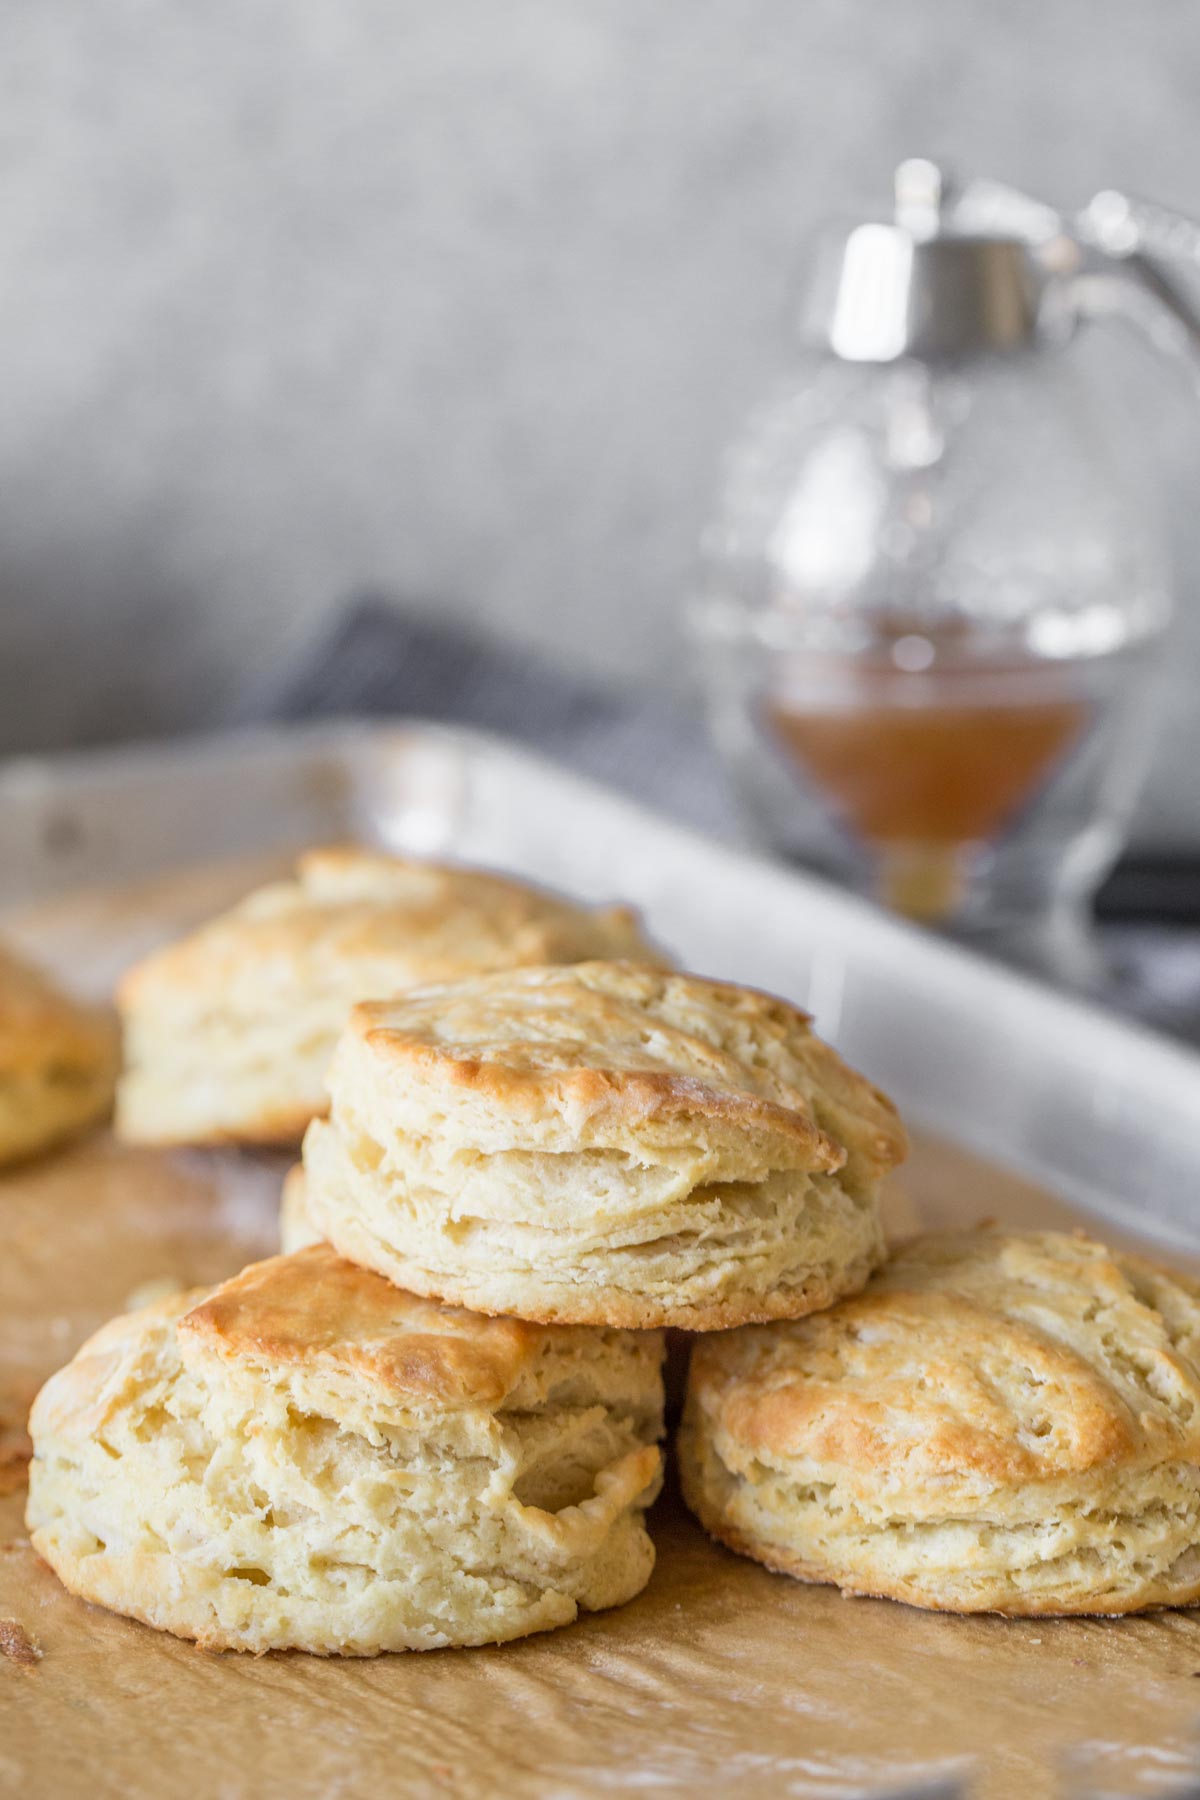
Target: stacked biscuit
[310, 1458]
[608, 1144]
[1000, 1422]
[435, 1418]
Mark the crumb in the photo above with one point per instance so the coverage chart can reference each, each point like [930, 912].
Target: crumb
[17, 1645]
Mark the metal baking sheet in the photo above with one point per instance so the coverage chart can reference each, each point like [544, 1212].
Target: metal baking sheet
[721, 1679]
[1104, 1112]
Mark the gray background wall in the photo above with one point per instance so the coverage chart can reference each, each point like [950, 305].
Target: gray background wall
[462, 299]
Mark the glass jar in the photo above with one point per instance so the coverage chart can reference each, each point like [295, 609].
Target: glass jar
[929, 620]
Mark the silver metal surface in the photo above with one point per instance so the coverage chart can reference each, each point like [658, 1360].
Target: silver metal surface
[1114, 258]
[1103, 1112]
[916, 287]
[991, 268]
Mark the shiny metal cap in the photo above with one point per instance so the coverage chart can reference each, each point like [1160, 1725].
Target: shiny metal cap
[914, 287]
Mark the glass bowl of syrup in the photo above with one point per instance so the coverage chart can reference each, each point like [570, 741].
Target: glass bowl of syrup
[928, 628]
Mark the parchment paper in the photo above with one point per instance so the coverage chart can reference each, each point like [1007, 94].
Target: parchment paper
[720, 1680]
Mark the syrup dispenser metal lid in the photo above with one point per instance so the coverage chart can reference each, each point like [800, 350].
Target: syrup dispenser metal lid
[915, 286]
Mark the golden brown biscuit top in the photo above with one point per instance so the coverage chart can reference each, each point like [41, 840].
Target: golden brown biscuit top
[347, 910]
[315, 1311]
[43, 1031]
[980, 1354]
[633, 1041]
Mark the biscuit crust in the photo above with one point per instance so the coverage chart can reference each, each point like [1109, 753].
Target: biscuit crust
[228, 1033]
[58, 1062]
[999, 1423]
[602, 1144]
[315, 1313]
[309, 1458]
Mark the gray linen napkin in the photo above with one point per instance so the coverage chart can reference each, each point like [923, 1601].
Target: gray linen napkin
[380, 661]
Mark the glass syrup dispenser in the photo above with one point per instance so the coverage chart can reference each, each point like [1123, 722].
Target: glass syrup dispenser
[933, 600]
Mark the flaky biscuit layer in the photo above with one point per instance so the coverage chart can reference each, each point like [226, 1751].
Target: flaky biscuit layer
[308, 1458]
[607, 1143]
[999, 1422]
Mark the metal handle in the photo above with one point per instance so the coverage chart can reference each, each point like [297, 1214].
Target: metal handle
[1121, 226]
[1122, 277]
[1133, 235]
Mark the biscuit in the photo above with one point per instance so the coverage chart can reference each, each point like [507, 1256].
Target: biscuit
[603, 1144]
[311, 1459]
[228, 1033]
[58, 1062]
[999, 1423]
